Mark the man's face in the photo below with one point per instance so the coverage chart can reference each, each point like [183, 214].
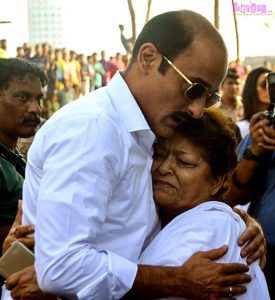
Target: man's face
[202, 62]
[20, 108]
[231, 88]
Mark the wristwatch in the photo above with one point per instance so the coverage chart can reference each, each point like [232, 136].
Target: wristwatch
[248, 154]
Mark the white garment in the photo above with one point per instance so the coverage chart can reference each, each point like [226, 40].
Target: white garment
[244, 127]
[88, 193]
[5, 294]
[207, 226]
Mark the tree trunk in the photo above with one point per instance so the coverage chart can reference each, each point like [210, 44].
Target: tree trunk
[133, 20]
[149, 2]
[216, 15]
[236, 32]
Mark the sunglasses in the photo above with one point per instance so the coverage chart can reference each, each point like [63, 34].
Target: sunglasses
[196, 90]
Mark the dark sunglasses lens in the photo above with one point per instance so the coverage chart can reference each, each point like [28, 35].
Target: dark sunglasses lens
[212, 99]
[196, 91]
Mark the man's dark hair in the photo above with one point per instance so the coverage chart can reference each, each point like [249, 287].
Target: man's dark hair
[231, 74]
[15, 68]
[173, 31]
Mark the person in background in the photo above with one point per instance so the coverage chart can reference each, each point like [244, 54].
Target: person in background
[99, 72]
[21, 92]
[59, 62]
[3, 48]
[67, 94]
[90, 62]
[66, 67]
[119, 62]
[28, 53]
[114, 69]
[85, 74]
[231, 104]
[75, 73]
[51, 74]
[46, 50]
[39, 58]
[53, 104]
[254, 182]
[255, 97]
[109, 68]
[20, 53]
[99, 215]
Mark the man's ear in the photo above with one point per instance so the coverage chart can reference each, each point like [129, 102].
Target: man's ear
[148, 57]
[216, 185]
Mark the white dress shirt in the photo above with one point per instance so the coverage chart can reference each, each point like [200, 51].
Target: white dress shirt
[88, 193]
[209, 225]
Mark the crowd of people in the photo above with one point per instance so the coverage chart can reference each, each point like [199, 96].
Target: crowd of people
[253, 180]
[246, 99]
[70, 74]
[129, 189]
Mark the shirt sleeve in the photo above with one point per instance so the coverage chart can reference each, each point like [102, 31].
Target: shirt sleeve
[246, 141]
[78, 178]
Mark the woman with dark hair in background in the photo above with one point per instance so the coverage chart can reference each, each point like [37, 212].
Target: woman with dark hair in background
[254, 97]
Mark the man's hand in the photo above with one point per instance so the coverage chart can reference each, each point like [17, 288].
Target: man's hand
[200, 277]
[254, 237]
[209, 280]
[23, 286]
[19, 232]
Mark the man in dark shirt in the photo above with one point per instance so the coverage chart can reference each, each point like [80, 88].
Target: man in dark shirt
[21, 92]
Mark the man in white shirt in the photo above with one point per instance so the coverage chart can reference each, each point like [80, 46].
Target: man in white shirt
[88, 187]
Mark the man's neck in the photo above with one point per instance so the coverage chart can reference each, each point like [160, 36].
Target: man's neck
[166, 217]
[8, 141]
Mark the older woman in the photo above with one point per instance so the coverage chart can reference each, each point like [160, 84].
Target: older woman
[189, 175]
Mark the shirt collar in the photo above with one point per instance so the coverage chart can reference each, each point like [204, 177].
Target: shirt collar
[126, 105]
[13, 157]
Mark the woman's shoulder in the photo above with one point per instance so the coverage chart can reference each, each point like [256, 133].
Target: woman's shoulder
[209, 225]
[207, 213]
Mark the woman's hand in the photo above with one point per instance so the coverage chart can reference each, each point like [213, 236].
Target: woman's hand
[253, 239]
[262, 134]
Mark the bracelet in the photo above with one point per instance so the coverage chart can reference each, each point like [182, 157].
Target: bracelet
[249, 155]
[236, 182]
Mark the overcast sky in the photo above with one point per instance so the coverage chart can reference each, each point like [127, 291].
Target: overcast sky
[93, 24]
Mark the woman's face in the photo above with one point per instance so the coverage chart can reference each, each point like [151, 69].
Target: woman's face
[181, 177]
[262, 89]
